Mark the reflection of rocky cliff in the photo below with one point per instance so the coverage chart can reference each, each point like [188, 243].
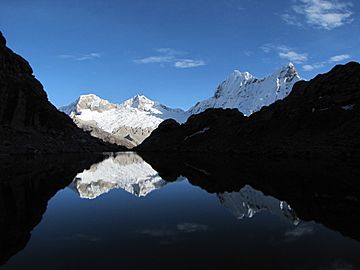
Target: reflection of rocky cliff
[248, 201]
[326, 191]
[126, 171]
[26, 185]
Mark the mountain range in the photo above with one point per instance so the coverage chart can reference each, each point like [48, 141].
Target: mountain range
[133, 120]
[318, 117]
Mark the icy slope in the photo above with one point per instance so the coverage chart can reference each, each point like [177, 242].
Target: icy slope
[128, 123]
[137, 112]
[247, 93]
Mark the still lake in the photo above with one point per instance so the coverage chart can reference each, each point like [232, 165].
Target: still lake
[121, 214]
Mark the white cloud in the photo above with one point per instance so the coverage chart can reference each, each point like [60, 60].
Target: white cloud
[324, 14]
[293, 56]
[331, 60]
[248, 53]
[285, 52]
[266, 48]
[90, 56]
[310, 67]
[169, 51]
[154, 59]
[339, 58]
[189, 63]
[170, 56]
[291, 19]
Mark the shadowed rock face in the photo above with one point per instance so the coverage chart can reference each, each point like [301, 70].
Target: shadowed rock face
[26, 186]
[29, 123]
[323, 190]
[319, 117]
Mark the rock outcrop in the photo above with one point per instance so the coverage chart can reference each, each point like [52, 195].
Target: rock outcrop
[319, 117]
[29, 123]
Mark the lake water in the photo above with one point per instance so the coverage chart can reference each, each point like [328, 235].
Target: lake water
[121, 214]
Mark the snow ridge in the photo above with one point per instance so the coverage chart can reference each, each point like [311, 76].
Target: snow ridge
[248, 93]
[136, 112]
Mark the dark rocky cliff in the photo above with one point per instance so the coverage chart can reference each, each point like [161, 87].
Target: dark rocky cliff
[319, 117]
[29, 123]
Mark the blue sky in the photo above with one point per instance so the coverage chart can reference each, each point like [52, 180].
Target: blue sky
[176, 52]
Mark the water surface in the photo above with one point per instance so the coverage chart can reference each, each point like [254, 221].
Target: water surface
[121, 214]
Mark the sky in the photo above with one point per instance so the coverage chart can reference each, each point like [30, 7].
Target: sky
[174, 51]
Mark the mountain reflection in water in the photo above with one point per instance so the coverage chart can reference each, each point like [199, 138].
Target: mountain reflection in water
[127, 171]
[276, 206]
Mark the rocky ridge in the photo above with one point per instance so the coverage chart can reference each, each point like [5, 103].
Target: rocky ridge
[29, 123]
[319, 117]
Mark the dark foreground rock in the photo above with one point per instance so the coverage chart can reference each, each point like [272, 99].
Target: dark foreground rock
[26, 185]
[29, 123]
[325, 191]
[319, 117]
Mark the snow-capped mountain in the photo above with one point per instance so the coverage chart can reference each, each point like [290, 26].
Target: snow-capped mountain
[248, 201]
[131, 122]
[127, 123]
[248, 93]
[127, 171]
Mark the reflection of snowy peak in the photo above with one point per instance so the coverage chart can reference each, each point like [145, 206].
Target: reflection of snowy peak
[126, 171]
[248, 201]
[247, 93]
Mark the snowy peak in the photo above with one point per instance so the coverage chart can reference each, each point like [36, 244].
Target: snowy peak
[249, 94]
[88, 102]
[234, 80]
[94, 103]
[288, 73]
[139, 102]
[127, 124]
